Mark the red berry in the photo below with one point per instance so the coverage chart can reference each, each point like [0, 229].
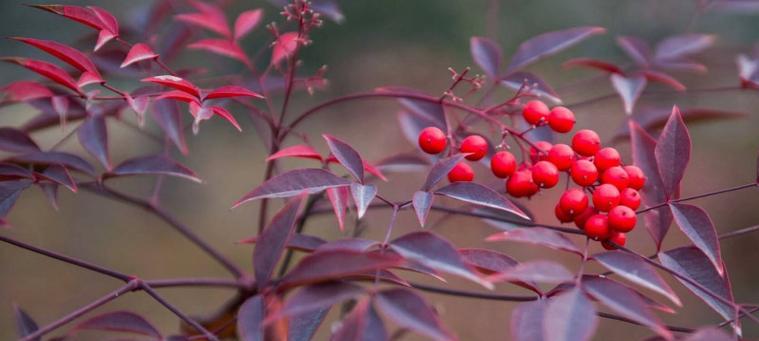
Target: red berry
[432, 140]
[520, 184]
[561, 155]
[605, 197]
[597, 227]
[616, 176]
[582, 218]
[586, 142]
[636, 176]
[561, 119]
[503, 164]
[606, 158]
[622, 219]
[545, 174]
[630, 198]
[618, 238]
[461, 172]
[539, 151]
[562, 215]
[573, 201]
[584, 173]
[535, 112]
[474, 145]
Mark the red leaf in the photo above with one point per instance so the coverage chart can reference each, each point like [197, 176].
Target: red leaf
[272, 240]
[179, 96]
[103, 38]
[594, 64]
[227, 116]
[677, 47]
[633, 269]
[570, 316]
[222, 47]
[673, 152]
[541, 271]
[487, 54]
[300, 151]
[409, 310]
[22, 91]
[107, 19]
[284, 47]
[154, 165]
[480, 195]
[347, 156]
[246, 22]
[629, 89]
[550, 43]
[362, 197]
[45, 69]
[231, 91]
[65, 53]
[338, 198]
[16, 141]
[422, 203]
[537, 236]
[79, 14]
[527, 321]
[175, 83]
[311, 180]
[120, 321]
[637, 49]
[139, 52]
[93, 136]
[88, 78]
[363, 323]
[696, 224]
[337, 264]
[210, 17]
[663, 78]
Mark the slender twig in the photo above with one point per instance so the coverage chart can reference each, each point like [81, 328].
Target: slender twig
[740, 232]
[149, 290]
[196, 282]
[698, 196]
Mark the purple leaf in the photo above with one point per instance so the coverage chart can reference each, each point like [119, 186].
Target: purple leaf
[409, 310]
[338, 198]
[537, 86]
[412, 124]
[50, 158]
[25, 325]
[93, 136]
[16, 141]
[487, 260]
[624, 301]
[709, 334]
[303, 327]
[487, 54]
[363, 196]
[422, 203]
[272, 240]
[480, 195]
[363, 323]
[437, 253]
[676, 47]
[540, 271]
[120, 321]
[654, 118]
[537, 236]
[633, 269]
[9, 193]
[335, 264]
[527, 321]
[317, 297]
[59, 175]
[297, 241]
[440, 170]
[591, 63]
[570, 316]
[635, 48]
[347, 156]
[250, 318]
[166, 114]
[329, 9]
[12, 171]
[403, 162]
[673, 152]
[154, 165]
[549, 43]
[431, 111]
[294, 182]
[697, 225]
[691, 262]
[348, 244]
[629, 89]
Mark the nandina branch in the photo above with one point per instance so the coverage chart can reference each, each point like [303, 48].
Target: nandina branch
[149, 290]
[698, 196]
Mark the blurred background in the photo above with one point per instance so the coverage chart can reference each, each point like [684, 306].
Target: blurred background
[392, 42]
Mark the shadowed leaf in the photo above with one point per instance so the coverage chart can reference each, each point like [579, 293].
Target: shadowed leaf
[154, 165]
[480, 195]
[697, 225]
[310, 180]
[168, 117]
[303, 327]
[537, 236]
[537, 86]
[409, 310]
[673, 152]
[633, 269]
[317, 297]
[635, 48]
[25, 325]
[336, 264]
[440, 170]
[535, 271]
[549, 43]
[347, 156]
[677, 47]
[570, 316]
[362, 323]
[93, 136]
[272, 240]
[487, 54]
[50, 158]
[16, 141]
[250, 318]
[422, 202]
[120, 321]
[527, 321]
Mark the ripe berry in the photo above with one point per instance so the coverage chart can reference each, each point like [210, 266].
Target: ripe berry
[606, 158]
[562, 215]
[432, 140]
[618, 238]
[461, 172]
[573, 201]
[586, 142]
[474, 145]
[539, 151]
[597, 227]
[616, 176]
[622, 219]
[503, 164]
[561, 155]
[535, 112]
[520, 184]
[584, 173]
[630, 198]
[545, 174]
[561, 119]
[582, 218]
[636, 176]
[605, 197]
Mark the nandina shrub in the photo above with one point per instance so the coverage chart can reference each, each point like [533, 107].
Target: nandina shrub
[602, 194]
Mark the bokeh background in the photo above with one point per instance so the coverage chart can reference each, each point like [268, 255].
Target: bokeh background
[392, 42]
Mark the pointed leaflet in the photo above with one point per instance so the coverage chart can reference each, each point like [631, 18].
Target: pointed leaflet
[677, 47]
[120, 321]
[663, 78]
[339, 199]
[209, 16]
[154, 165]
[409, 310]
[219, 111]
[222, 47]
[691, 262]
[362, 197]
[336, 264]
[422, 203]
[168, 117]
[25, 325]
[9, 193]
[535, 271]
[439, 170]
[633, 269]
[549, 43]
[311, 180]
[47, 70]
[229, 91]
[487, 260]
[570, 316]
[673, 152]
[629, 89]
[538, 236]
[348, 157]
[107, 19]
[93, 136]
[48, 158]
[250, 318]
[362, 324]
[16, 141]
[138, 53]
[637, 49]
[65, 53]
[429, 112]
[487, 54]
[624, 301]
[317, 297]
[300, 150]
[697, 225]
[527, 321]
[271, 242]
[593, 64]
[435, 252]
[480, 195]
[175, 83]
[284, 47]
[246, 22]
[59, 175]
[22, 91]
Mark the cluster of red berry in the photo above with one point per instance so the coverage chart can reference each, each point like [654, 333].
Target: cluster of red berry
[612, 187]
